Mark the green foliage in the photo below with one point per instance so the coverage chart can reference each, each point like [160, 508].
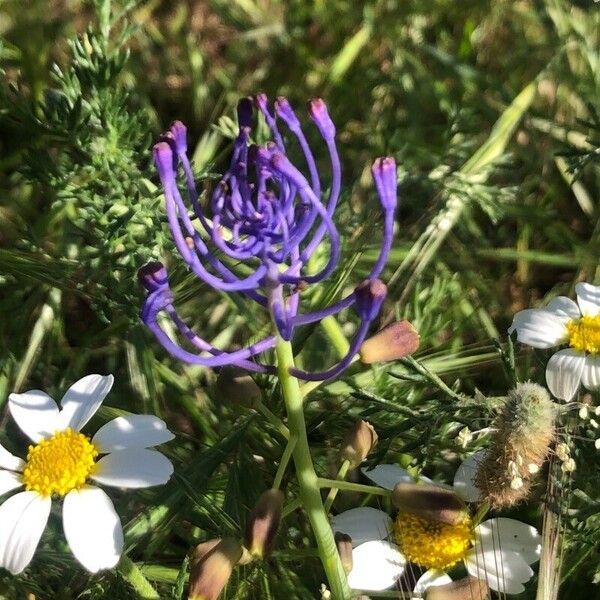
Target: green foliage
[491, 111]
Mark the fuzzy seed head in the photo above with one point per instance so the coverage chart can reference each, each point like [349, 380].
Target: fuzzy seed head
[524, 432]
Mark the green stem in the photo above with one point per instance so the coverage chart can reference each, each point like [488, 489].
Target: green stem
[307, 478]
[348, 486]
[336, 335]
[291, 507]
[285, 459]
[334, 490]
[134, 576]
[272, 417]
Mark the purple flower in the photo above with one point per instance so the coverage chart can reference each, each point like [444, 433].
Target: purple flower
[267, 213]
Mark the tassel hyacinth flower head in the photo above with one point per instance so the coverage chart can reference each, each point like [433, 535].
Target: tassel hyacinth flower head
[266, 213]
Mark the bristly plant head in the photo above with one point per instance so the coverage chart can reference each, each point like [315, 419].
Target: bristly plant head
[266, 214]
[524, 432]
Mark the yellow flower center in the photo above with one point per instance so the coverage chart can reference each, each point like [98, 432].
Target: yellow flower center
[60, 463]
[433, 544]
[584, 334]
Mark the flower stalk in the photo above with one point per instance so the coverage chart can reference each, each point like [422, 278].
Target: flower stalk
[307, 478]
[136, 579]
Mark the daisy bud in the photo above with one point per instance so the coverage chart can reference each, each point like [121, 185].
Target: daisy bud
[263, 523]
[358, 442]
[469, 588]
[236, 386]
[568, 466]
[344, 546]
[211, 567]
[524, 432]
[391, 343]
[429, 502]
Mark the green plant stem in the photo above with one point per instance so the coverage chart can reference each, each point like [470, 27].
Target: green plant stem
[348, 486]
[285, 459]
[335, 334]
[290, 507]
[341, 475]
[307, 478]
[136, 579]
[272, 418]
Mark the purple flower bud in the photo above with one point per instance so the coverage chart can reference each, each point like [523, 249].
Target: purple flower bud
[262, 101]
[286, 113]
[370, 295]
[384, 174]
[163, 159]
[179, 132]
[244, 112]
[153, 276]
[318, 113]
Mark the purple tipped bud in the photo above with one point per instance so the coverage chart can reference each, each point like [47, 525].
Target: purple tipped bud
[163, 159]
[369, 296]
[318, 113]
[286, 113]
[469, 588]
[179, 132]
[211, 566]
[281, 164]
[429, 502]
[153, 276]
[344, 547]
[262, 102]
[391, 343]
[263, 523]
[358, 442]
[244, 113]
[384, 174]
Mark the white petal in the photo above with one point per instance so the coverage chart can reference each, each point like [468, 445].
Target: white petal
[564, 307]
[82, 400]
[134, 431]
[463, 478]
[35, 413]
[504, 571]
[563, 373]
[23, 517]
[510, 534]
[92, 528]
[137, 468]
[540, 328]
[591, 372]
[387, 476]
[431, 578]
[9, 481]
[588, 298]
[376, 566]
[10, 461]
[363, 524]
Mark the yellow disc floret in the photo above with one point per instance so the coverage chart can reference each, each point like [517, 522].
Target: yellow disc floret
[584, 334]
[433, 544]
[60, 463]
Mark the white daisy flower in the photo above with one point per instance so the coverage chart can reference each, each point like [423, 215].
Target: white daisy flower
[498, 551]
[564, 321]
[62, 461]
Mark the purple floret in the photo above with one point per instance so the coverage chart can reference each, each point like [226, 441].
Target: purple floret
[266, 213]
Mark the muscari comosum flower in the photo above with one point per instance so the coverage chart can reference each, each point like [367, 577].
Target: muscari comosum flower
[267, 214]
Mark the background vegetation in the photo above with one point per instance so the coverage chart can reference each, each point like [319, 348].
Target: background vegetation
[490, 108]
